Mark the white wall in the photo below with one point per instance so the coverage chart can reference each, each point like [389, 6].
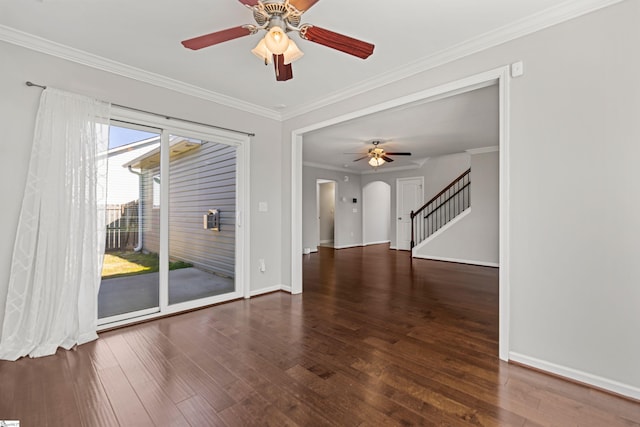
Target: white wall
[376, 212]
[473, 238]
[574, 196]
[348, 224]
[18, 106]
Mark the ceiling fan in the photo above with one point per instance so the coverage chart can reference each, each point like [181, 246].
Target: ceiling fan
[277, 18]
[377, 156]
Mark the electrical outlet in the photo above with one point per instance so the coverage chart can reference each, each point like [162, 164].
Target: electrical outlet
[262, 266]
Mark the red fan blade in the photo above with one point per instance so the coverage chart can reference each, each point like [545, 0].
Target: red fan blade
[398, 154]
[284, 71]
[249, 2]
[302, 5]
[337, 41]
[387, 159]
[215, 38]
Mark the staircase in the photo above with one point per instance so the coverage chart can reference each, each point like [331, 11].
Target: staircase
[454, 199]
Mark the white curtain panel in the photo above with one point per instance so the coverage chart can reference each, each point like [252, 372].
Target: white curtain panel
[57, 258]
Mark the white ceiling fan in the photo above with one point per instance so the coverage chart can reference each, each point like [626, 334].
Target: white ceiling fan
[377, 156]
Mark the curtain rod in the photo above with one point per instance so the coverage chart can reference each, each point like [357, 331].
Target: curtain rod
[31, 84]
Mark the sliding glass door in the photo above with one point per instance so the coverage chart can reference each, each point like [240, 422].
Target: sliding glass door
[175, 239]
[202, 219]
[130, 273]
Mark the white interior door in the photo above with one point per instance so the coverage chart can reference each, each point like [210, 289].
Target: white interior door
[410, 197]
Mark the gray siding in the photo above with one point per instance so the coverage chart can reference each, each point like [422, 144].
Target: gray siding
[150, 215]
[201, 179]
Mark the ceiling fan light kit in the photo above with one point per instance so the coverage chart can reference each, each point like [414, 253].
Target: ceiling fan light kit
[277, 18]
[376, 161]
[262, 52]
[293, 53]
[378, 157]
[276, 40]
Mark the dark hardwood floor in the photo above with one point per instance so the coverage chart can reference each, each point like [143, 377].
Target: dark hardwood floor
[374, 340]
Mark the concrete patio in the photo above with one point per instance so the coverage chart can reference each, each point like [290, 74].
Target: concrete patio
[128, 294]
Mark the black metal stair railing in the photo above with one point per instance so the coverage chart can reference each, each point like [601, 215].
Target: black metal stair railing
[442, 208]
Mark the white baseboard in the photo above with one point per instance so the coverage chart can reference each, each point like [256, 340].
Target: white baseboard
[579, 376]
[461, 261]
[348, 246]
[377, 243]
[263, 291]
[393, 248]
[285, 288]
[322, 242]
[270, 289]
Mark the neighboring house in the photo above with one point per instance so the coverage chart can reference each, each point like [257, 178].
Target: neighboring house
[123, 195]
[202, 177]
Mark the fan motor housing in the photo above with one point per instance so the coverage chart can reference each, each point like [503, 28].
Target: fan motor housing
[267, 10]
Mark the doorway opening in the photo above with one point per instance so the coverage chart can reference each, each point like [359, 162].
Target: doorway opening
[376, 213]
[326, 203]
[500, 77]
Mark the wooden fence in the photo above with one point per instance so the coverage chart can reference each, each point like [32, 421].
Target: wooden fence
[122, 227]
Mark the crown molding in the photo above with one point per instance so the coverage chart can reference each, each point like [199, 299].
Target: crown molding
[416, 165]
[390, 169]
[39, 44]
[547, 18]
[483, 150]
[330, 167]
[555, 15]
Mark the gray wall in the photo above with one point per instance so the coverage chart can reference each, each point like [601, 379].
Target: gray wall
[573, 200]
[574, 133]
[348, 225]
[438, 172]
[473, 238]
[18, 107]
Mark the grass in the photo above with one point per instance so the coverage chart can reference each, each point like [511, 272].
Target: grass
[120, 264]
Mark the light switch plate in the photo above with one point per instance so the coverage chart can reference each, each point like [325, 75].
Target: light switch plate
[263, 207]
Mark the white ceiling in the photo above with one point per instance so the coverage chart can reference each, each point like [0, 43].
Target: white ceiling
[146, 34]
[141, 39]
[426, 129]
